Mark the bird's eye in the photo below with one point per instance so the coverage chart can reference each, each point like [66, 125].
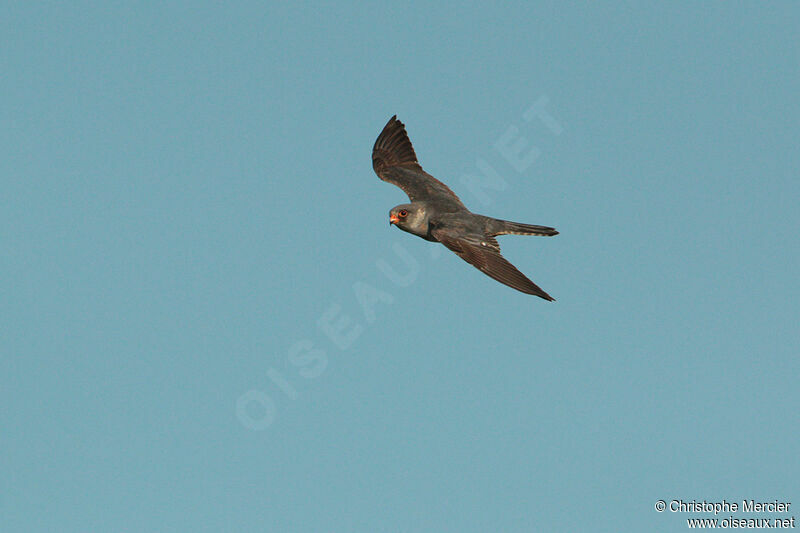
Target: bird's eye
[403, 213]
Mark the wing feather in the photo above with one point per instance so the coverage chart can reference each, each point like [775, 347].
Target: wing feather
[395, 161]
[485, 256]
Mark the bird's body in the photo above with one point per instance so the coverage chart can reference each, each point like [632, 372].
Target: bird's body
[437, 214]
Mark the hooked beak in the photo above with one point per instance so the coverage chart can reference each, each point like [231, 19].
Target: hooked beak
[393, 219]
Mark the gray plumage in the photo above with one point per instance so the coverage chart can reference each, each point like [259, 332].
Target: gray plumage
[437, 214]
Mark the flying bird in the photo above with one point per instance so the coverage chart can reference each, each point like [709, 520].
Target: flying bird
[436, 213]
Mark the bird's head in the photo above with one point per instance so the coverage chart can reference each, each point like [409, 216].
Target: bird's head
[410, 217]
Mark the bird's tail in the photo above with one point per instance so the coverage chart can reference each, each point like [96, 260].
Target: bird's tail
[504, 227]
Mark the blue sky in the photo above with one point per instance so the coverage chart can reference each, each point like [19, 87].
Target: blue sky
[209, 326]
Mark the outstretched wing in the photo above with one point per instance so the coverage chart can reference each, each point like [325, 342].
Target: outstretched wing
[484, 254]
[394, 160]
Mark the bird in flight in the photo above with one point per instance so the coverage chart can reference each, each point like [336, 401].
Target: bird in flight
[436, 213]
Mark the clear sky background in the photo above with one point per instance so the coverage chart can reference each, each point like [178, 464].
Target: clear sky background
[208, 325]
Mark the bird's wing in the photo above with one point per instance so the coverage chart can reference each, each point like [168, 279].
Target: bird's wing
[484, 254]
[394, 160]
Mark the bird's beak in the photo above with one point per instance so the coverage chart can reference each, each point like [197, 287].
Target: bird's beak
[393, 219]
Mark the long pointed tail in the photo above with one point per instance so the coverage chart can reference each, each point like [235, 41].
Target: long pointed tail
[504, 227]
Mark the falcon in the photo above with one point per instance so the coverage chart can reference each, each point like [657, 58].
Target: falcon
[436, 213]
